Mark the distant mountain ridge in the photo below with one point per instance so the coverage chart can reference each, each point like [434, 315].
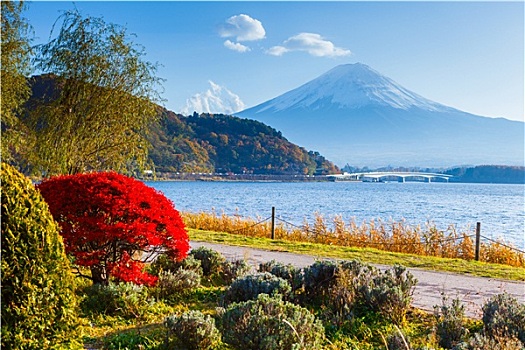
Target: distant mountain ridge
[353, 114]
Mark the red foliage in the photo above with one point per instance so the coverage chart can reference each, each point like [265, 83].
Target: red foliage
[108, 220]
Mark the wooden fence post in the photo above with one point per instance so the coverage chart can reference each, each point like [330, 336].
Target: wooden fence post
[273, 222]
[478, 238]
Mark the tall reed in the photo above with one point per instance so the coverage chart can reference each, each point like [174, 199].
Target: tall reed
[389, 236]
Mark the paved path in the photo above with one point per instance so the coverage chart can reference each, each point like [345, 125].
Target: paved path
[473, 291]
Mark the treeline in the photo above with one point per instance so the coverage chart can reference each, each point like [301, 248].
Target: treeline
[489, 174]
[218, 143]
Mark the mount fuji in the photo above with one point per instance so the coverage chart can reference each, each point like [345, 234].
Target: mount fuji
[353, 114]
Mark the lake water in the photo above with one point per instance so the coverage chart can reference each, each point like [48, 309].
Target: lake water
[499, 208]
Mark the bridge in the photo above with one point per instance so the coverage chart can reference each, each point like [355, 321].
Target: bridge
[383, 176]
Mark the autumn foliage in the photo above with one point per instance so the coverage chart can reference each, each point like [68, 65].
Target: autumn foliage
[113, 224]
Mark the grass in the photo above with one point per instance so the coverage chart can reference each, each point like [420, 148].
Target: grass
[368, 255]
[99, 329]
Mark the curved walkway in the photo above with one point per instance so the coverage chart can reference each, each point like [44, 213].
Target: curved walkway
[472, 291]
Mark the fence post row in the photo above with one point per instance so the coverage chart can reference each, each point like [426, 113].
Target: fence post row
[478, 238]
[273, 222]
[478, 234]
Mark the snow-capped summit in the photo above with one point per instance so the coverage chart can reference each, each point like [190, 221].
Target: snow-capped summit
[349, 86]
[353, 114]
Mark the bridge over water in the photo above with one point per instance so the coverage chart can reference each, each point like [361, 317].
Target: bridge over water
[384, 176]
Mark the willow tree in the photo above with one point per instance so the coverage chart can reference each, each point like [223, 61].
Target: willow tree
[15, 67]
[103, 100]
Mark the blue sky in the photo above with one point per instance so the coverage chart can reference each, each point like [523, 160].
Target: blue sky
[467, 55]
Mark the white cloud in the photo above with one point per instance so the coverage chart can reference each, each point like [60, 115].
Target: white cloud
[236, 46]
[217, 99]
[312, 43]
[277, 50]
[242, 28]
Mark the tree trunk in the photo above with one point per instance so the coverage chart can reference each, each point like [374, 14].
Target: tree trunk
[99, 275]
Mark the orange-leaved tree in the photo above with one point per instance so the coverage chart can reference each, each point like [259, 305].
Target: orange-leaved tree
[114, 224]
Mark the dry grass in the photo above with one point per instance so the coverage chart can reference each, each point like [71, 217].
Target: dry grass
[388, 236]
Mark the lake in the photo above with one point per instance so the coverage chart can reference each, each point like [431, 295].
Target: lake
[499, 208]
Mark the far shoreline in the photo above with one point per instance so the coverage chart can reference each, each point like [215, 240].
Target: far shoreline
[269, 178]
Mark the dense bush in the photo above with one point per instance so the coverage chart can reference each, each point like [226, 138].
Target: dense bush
[287, 272]
[116, 299]
[332, 287]
[109, 220]
[131, 340]
[342, 297]
[484, 342]
[249, 287]
[164, 262]
[269, 323]
[232, 270]
[397, 341]
[389, 293]
[211, 260]
[178, 282]
[318, 279]
[449, 318]
[338, 288]
[193, 330]
[504, 316]
[38, 299]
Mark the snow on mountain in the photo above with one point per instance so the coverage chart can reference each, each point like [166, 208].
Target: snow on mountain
[353, 114]
[350, 86]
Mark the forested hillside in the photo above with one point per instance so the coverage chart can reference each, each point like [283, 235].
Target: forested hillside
[210, 143]
[224, 144]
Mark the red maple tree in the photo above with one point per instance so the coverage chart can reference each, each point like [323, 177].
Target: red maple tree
[114, 224]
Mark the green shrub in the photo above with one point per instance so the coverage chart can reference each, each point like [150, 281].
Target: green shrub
[131, 341]
[389, 292]
[249, 287]
[450, 328]
[127, 300]
[231, 270]
[190, 264]
[317, 280]
[211, 260]
[269, 323]
[338, 288]
[398, 341]
[287, 272]
[37, 294]
[504, 316]
[178, 282]
[333, 287]
[342, 297]
[483, 342]
[166, 263]
[193, 330]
